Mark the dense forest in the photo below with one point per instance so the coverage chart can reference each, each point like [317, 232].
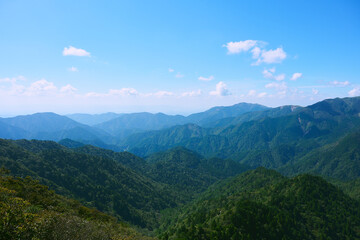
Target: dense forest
[239, 172]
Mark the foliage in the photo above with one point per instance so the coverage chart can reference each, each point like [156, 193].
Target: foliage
[304, 207]
[31, 211]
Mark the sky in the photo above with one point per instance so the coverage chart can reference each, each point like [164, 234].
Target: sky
[176, 57]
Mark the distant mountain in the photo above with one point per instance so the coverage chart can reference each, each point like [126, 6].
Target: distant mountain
[51, 126]
[141, 121]
[128, 124]
[146, 143]
[253, 116]
[42, 122]
[262, 204]
[93, 119]
[268, 141]
[11, 132]
[216, 113]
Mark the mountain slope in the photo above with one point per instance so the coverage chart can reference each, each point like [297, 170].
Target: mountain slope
[340, 160]
[216, 113]
[51, 126]
[274, 207]
[31, 211]
[189, 172]
[97, 181]
[295, 134]
[140, 122]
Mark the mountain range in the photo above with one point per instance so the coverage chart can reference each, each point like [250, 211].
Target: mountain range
[239, 172]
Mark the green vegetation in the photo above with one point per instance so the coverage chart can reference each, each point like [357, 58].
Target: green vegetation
[29, 210]
[179, 193]
[96, 181]
[261, 204]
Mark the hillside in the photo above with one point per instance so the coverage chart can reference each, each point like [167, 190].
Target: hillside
[271, 207]
[188, 172]
[339, 160]
[259, 142]
[97, 181]
[217, 113]
[31, 211]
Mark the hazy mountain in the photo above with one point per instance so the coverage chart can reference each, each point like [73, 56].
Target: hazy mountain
[51, 126]
[252, 116]
[128, 124]
[140, 121]
[216, 113]
[294, 133]
[42, 122]
[92, 119]
[11, 132]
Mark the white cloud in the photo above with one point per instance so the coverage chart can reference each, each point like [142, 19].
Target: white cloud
[179, 75]
[72, 51]
[251, 93]
[354, 92]
[296, 76]
[256, 51]
[123, 92]
[13, 80]
[241, 46]
[94, 94]
[73, 69]
[206, 79]
[315, 91]
[163, 94]
[68, 89]
[279, 77]
[171, 70]
[192, 93]
[269, 73]
[261, 95]
[278, 86]
[340, 84]
[40, 87]
[271, 56]
[221, 90]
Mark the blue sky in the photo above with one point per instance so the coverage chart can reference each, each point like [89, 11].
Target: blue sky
[175, 56]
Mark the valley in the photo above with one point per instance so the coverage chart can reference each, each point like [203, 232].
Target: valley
[240, 172]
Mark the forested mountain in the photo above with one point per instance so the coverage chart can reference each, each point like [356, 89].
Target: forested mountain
[339, 160]
[262, 204]
[141, 121]
[100, 182]
[31, 211]
[256, 142]
[188, 171]
[128, 124]
[118, 183]
[216, 113]
[251, 116]
[183, 182]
